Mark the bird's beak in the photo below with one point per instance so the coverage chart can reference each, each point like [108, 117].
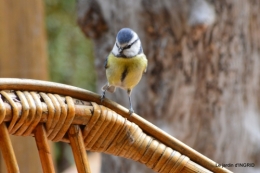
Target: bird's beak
[120, 50]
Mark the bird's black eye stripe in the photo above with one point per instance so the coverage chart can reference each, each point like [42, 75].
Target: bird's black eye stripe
[129, 46]
[117, 45]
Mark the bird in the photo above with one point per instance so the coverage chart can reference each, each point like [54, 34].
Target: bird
[125, 64]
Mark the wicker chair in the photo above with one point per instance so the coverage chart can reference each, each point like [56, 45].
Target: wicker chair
[57, 112]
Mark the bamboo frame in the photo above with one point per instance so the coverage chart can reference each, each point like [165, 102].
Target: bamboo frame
[44, 149]
[7, 150]
[85, 111]
[78, 148]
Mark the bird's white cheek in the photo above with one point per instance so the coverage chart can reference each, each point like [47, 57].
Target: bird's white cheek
[129, 53]
[115, 50]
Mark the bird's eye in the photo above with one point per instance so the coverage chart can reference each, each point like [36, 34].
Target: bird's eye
[128, 47]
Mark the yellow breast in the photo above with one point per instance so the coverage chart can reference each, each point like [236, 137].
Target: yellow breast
[125, 72]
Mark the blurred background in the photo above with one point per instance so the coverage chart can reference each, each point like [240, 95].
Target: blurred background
[203, 79]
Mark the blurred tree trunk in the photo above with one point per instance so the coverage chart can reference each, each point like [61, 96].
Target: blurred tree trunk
[23, 55]
[202, 83]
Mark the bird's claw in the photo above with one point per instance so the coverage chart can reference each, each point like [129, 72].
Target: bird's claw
[102, 97]
[131, 111]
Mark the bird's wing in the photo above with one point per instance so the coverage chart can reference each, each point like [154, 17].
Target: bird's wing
[145, 68]
[105, 64]
[108, 62]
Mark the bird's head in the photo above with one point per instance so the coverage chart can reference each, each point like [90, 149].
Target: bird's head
[127, 44]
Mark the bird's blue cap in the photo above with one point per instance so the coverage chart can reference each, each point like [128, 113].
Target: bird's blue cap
[124, 35]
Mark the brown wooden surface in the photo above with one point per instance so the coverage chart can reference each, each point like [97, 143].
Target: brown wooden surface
[23, 39]
[23, 54]
[78, 149]
[147, 127]
[44, 149]
[7, 150]
[106, 131]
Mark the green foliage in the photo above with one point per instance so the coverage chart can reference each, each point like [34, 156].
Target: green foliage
[71, 58]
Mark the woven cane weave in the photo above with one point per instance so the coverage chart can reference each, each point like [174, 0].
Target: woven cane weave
[41, 109]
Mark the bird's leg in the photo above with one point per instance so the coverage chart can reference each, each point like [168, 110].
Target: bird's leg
[104, 89]
[103, 95]
[131, 110]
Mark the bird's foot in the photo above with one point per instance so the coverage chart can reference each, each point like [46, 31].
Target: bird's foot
[102, 97]
[131, 111]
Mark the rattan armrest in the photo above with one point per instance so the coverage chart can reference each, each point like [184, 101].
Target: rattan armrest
[57, 112]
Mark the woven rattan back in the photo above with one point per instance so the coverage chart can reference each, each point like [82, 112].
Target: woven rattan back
[55, 112]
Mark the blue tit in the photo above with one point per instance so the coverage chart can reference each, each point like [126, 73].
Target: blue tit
[125, 64]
